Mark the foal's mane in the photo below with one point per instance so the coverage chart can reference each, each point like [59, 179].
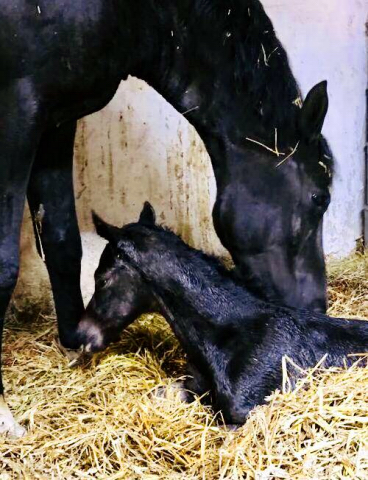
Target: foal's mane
[197, 256]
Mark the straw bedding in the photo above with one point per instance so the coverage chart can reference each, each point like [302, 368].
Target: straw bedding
[99, 421]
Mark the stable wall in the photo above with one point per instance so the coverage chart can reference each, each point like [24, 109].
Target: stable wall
[139, 148]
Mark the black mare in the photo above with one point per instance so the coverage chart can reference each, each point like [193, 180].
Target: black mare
[218, 62]
[234, 342]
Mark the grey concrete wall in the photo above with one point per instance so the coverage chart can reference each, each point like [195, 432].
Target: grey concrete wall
[140, 148]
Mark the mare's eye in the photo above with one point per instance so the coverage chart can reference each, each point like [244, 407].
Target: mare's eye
[321, 200]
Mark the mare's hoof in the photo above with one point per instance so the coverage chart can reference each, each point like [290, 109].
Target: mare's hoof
[8, 426]
[74, 356]
[174, 390]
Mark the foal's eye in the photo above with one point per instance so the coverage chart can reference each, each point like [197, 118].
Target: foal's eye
[119, 256]
[321, 200]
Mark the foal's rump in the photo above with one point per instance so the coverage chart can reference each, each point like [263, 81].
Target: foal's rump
[293, 343]
[338, 339]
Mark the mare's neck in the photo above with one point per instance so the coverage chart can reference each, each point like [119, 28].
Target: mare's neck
[221, 66]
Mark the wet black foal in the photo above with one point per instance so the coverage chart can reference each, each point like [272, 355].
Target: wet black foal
[233, 341]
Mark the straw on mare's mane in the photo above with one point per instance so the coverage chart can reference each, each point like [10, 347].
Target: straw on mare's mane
[242, 35]
[270, 91]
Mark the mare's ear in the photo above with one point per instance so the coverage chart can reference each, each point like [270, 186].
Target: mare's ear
[313, 112]
[148, 215]
[104, 229]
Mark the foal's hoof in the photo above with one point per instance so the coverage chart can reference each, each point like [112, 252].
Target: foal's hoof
[174, 390]
[232, 427]
[74, 356]
[8, 426]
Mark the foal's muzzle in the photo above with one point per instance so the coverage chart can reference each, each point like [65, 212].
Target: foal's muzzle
[91, 335]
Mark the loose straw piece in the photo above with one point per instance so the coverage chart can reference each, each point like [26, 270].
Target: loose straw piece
[290, 155]
[275, 150]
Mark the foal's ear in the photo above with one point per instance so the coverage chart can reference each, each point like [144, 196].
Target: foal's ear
[148, 215]
[104, 229]
[313, 112]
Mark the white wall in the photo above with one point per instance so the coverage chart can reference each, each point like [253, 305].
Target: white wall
[325, 39]
[140, 148]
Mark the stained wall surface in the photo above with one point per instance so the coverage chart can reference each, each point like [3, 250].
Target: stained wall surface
[139, 148]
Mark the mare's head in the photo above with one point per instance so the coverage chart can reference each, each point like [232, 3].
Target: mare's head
[270, 206]
[121, 293]
[229, 73]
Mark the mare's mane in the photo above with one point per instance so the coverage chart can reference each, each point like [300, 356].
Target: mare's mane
[236, 41]
[262, 77]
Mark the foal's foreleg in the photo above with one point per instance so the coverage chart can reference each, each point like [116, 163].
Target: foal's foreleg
[196, 382]
[51, 200]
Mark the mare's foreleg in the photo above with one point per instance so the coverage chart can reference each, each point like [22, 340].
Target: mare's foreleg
[20, 130]
[52, 205]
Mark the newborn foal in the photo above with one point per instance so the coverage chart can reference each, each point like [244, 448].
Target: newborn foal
[234, 342]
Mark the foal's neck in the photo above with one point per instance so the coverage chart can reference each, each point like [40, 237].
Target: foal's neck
[205, 308]
[196, 285]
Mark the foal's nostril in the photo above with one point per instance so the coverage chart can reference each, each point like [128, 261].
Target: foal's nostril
[90, 335]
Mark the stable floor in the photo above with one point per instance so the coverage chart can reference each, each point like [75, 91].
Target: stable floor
[100, 421]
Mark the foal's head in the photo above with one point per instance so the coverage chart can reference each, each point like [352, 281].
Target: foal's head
[121, 294]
